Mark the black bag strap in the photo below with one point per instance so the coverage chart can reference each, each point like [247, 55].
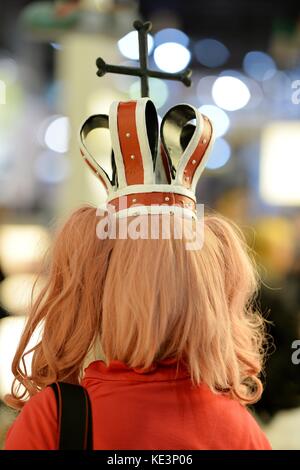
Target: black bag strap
[74, 416]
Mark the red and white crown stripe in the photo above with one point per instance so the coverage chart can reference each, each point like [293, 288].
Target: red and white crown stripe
[129, 135]
[195, 156]
[192, 161]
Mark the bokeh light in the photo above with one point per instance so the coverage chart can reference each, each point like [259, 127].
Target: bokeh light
[278, 88]
[256, 93]
[99, 102]
[11, 329]
[230, 93]
[22, 247]
[211, 52]
[57, 134]
[16, 292]
[8, 70]
[129, 45]
[232, 73]
[123, 82]
[204, 89]
[280, 163]
[171, 57]
[220, 154]
[255, 88]
[259, 65]
[171, 35]
[218, 117]
[51, 167]
[159, 91]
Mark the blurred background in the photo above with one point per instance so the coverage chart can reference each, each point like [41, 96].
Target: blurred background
[245, 56]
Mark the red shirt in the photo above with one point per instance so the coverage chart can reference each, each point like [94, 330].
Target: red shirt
[134, 409]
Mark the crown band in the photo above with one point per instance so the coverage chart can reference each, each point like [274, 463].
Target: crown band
[150, 199]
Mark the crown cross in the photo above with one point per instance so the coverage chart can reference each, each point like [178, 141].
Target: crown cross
[143, 72]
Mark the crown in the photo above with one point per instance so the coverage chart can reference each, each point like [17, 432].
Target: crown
[152, 172]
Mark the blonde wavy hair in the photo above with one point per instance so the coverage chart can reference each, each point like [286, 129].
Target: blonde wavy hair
[146, 300]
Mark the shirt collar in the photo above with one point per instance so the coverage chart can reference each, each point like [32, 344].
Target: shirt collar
[165, 370]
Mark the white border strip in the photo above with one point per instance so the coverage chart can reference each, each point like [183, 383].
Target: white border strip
[141, 127]
[87, 157]
[204, 160]
[155, 209]
[153, 188]
[115, 141]
[190, 149]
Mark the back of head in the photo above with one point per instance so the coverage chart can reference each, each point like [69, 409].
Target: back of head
[145, 300]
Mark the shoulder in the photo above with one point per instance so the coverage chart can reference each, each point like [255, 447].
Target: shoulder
[255, 437]
[36, 427]
[238, 425]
